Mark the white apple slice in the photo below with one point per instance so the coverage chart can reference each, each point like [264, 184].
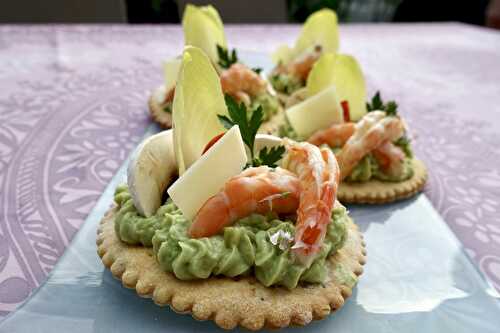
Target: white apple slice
[151, 169]
[225, 159]
[315, 113]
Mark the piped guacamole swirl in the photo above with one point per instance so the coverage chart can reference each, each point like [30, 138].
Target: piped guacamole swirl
[255, 245]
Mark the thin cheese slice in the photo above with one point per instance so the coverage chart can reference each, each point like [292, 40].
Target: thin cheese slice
[207, 176]
[315, 113]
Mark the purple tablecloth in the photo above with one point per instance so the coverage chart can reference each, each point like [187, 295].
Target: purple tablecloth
[73, 106]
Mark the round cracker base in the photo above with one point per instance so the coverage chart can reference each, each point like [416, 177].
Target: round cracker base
[164, 119]
[230, 302]
[379, 192]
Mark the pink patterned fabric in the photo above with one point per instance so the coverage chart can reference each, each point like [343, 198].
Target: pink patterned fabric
[73, 106]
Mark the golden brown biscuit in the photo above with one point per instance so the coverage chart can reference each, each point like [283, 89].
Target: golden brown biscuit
[232, 302]
[159, 115]
[379, 192]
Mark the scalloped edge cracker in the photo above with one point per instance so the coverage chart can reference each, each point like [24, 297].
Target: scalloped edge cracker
[379, 192]
[232, 302]
[164, 119]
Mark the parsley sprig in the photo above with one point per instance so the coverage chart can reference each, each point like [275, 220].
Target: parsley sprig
[390, 108]
[249, 123]
[404, 143]
[226, 58]
[270, 157]
[257, 70]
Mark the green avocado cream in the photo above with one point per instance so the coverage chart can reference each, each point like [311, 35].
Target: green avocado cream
[270, 105]
[368, 168]
[285, 83]
[255, 245]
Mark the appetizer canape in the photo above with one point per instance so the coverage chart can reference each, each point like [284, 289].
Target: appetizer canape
[319, 34]
[249, 234]
[370, 140]
[203, 28]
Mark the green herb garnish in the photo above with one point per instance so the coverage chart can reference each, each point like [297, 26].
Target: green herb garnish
[404, 143]
[390, 108]
[257, 70]
[376, 103]
[226, 58]
[269, 157]
[167, 109]
[249, 123]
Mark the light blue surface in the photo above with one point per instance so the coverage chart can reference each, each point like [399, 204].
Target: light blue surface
[417, 279]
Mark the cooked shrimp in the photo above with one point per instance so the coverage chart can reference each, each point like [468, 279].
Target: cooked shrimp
[335, 136]
[239, 78]
[371, 131]
[318, 172]
[255, 190]
[390, 158]
[301, 66]
[309, 189]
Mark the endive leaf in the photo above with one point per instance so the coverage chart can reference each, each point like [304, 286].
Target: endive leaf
[197, 102]
[203, 28]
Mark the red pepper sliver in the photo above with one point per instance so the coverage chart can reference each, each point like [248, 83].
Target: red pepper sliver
[345, 109]
[212, 142]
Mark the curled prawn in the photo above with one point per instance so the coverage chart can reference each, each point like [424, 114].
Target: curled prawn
[255, 190]
[310, 184]
[334, 136]
[318, 173]
[242, 83]
[301, 66]
[372, 131]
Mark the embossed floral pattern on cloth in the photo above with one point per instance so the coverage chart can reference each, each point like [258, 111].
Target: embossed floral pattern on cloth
[73, 104]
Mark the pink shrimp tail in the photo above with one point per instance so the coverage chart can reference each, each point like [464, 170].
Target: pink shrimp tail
[312, 237]
[318, 173]
[335, 136]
